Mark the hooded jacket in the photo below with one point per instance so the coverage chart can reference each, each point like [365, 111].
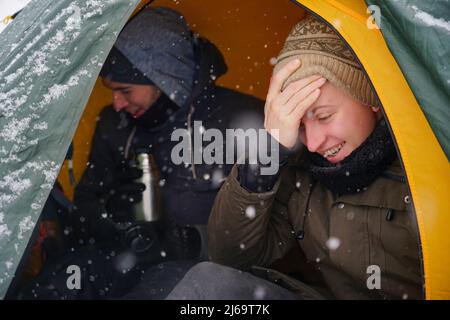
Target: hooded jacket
[188, 191]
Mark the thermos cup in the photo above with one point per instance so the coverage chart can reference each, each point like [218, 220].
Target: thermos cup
[148, 209]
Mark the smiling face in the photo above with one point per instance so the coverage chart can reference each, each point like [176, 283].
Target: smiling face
[336, 124]
[135, 99]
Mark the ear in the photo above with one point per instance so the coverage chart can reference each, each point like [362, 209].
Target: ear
[377, 112]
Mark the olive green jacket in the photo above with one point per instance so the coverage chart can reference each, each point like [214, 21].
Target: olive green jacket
[346, 239]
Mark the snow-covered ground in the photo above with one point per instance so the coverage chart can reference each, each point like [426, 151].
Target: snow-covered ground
[9, 7]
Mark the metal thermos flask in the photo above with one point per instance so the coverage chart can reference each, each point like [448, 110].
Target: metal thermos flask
[148, 209]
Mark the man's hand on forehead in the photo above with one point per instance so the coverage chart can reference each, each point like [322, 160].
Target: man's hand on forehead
[285, 108]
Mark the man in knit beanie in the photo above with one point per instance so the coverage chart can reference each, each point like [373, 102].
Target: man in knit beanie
[336, 207]
[316, 71]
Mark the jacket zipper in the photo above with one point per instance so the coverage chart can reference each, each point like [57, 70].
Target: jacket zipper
[300, 235]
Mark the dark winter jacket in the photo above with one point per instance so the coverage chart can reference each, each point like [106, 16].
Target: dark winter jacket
[325, 244]
[188, 191]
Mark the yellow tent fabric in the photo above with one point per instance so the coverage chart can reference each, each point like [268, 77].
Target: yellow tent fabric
[424, 161]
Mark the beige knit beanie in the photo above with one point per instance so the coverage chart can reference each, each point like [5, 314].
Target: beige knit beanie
[322, 52]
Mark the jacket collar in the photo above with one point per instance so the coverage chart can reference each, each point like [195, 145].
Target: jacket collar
[388, 191]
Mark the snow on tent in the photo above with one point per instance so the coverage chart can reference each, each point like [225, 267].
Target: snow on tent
[49, 61]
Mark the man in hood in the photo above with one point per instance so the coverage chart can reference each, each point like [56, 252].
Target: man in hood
[162, 78]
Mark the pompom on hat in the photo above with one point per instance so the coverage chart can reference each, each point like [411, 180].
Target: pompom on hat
[322, 52]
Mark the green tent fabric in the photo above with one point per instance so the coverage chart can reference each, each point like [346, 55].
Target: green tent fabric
[418, 35]
[50, 56]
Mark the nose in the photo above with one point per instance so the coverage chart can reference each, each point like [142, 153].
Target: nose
[314, 138]
[119, 101]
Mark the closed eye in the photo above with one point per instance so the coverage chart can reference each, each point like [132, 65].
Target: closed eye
[324, 117]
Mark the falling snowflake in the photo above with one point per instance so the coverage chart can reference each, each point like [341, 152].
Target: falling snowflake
[333, 243]
[250, 212]
[125, 261]
[259, 293]
[337, 23]
[217, 178]
[350, 215]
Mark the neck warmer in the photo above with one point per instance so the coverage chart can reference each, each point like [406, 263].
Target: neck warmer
[359, 169]
[158, 114]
